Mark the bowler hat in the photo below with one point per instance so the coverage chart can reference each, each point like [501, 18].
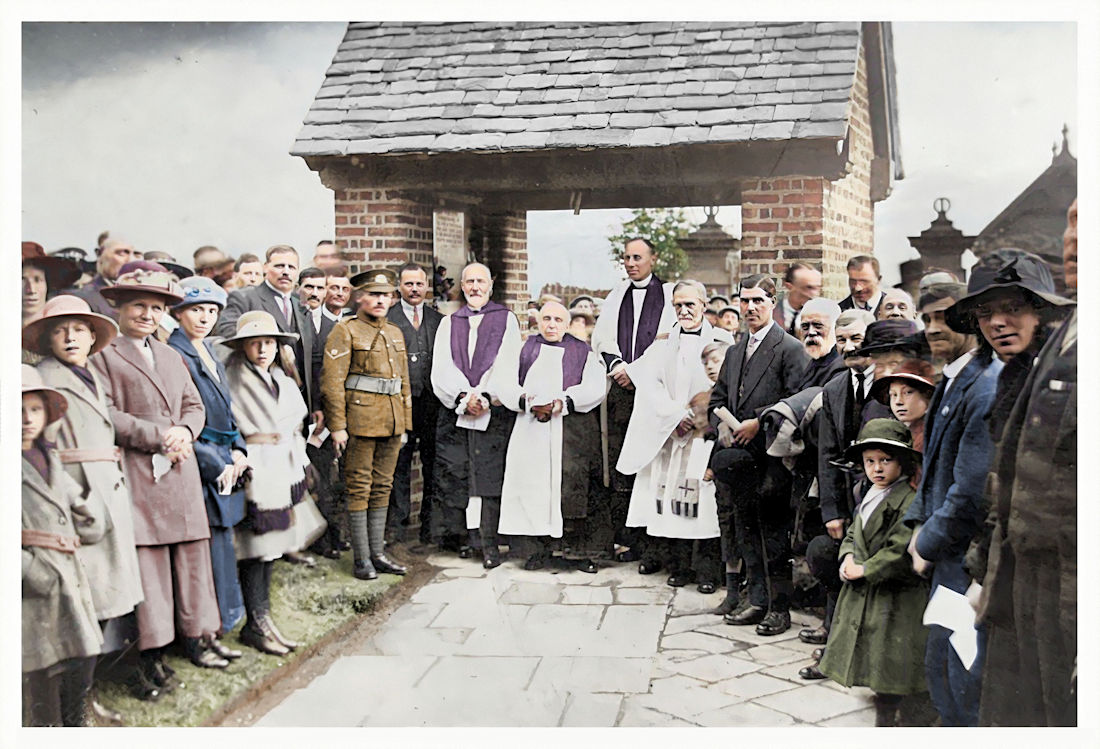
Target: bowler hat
[143, 277]
[56, 403]
[1005, 268]
[67, 305]
[258, 324]
[169, 262]
[883, 433]
[60, 272]
[916, 372]
[888, 335]
[201, 290]
[375, 279]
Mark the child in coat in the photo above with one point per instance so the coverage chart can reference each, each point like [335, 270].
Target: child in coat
[877, 639]
[61, 636]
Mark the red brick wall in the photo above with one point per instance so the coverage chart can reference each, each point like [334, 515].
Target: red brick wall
[382, 227]
[812, 219]
[505, 252]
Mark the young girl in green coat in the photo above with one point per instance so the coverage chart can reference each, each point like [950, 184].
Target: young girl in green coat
[877, 638]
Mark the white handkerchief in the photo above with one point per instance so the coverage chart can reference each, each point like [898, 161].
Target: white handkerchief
[161, 466]
[952, 611]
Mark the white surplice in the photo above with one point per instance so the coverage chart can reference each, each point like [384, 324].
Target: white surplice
[605, 336]
[530, 502]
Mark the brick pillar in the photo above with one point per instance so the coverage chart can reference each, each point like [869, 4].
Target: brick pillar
[382, 227]
[503, 247]
[813, 219]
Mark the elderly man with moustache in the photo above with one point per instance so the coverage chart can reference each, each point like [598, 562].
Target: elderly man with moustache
[948, 509]
[114, 254]
[418, 323]
[553, 383]
[633, 315]
[864, 279]
[818, 328]
[802, 282]
[757, 373]
[473, 427]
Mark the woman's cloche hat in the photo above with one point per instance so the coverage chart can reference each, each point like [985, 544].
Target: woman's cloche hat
[200, 290]
[143, 277]
[66, 305]
[56, 403]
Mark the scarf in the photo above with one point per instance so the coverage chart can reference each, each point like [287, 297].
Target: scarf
[572, 362]
[490, 334]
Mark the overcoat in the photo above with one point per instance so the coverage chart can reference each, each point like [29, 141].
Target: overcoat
[143, 404]
[59, 618]
[877, 638]
[219, 437]
[111, 563]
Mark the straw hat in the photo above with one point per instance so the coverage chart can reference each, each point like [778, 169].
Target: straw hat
[143, 277]
[888, 433]
[916, 372]
[56, 403]
[67, 305]
[258, 324]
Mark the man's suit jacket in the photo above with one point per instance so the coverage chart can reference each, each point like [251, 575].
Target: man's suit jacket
[430, 323]
[262, 297]
[847, 303]
[834, 434]
[771, 375]
[90, 293]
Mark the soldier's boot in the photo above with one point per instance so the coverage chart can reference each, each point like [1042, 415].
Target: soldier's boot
[733, 594]
[360, 545]
[376, 524]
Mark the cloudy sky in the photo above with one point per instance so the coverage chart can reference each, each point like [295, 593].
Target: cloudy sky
[177, 135]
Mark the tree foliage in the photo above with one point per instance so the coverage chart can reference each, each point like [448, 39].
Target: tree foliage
[664, 227]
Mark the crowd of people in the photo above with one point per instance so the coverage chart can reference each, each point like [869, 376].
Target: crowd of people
[881, 458]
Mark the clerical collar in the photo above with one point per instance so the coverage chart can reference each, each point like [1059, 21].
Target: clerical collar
[643, 283]
[697, 331]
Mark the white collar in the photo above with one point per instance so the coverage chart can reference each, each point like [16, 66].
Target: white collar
[277, 292]
[760, 334]
[329, 315]
[410, 307]
[643, 283]
[951, 371]
[868, 373]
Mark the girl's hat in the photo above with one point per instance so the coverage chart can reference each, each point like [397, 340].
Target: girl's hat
[890, 434]
[258, 324]
[1005, 268]
[143, 277]
[56, 403]
[61, 273]
[916, 372]
[201, 290]
[67, 305]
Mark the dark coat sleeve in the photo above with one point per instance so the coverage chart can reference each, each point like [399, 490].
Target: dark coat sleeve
[719, 394]
[236, 305]
[832, 482]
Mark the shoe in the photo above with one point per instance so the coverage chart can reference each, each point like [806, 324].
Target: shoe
[706, 588]
[297, 557]
[382, 563]
[465, 551]
[343, 545]
[587, 566]
[364, 570]
[265, 643]
[421, 549]
[811, 673]
[208, 659]
[159, 673]
[491, 561]
[331, 553]
[749, 615]
[219, 647]
[268, 624]
[818, 654]
[648, 567]
[775, 623]
[535, 562]
[628, 556]
[142, 687]
[815, 636]
[731, 603]
[105, 716]
[680, 579]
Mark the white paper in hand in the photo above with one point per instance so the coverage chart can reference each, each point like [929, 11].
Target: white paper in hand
[161, 466]
[952, 611]
[728, 418]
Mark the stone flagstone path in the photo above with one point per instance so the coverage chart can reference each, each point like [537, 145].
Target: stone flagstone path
[510, 647]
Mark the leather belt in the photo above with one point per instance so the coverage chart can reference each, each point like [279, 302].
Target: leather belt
[90, 455]
[262, 438]
[368, 384]
[48, 540]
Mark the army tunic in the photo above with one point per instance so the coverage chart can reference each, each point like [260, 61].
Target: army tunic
[375, 422]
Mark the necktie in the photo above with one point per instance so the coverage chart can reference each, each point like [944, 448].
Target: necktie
[416, 317]
[284, 302]
[751, 348]
[856, 414]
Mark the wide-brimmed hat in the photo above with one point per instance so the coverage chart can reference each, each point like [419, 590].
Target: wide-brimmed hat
[60, 272]
[916, 372]
[1005, 268]
[580, 298]
[888, 335]
[201, 290]
[376, 279]
[888, 433]
[56, 403]
[169, 262]
[258, 324]
[143, 277]
[67, 305]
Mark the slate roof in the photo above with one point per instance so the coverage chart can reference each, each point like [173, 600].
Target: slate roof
[450, 87]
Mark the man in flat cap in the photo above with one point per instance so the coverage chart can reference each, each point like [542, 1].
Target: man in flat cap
[368, 408]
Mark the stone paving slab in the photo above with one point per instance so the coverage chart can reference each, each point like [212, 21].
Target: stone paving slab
[598, 674]
[753, 684]
[592, 710]
[825, 704]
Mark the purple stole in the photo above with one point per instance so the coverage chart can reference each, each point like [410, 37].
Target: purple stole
[572, 362]
[490, 334]
[647, 322]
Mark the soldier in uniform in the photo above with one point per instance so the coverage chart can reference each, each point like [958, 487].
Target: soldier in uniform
[368, 408]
